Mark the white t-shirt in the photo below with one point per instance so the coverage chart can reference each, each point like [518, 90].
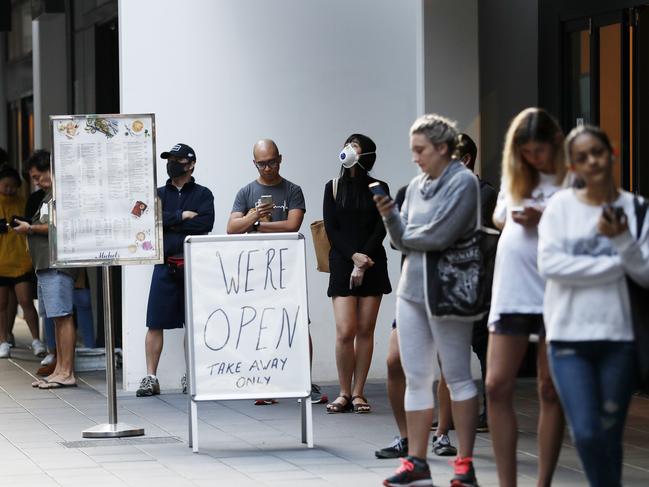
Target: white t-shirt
[517, 285]
[586, 296]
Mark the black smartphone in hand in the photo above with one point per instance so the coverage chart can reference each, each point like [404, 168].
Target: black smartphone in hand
[377, 189]
[15, 220]
[617, 211]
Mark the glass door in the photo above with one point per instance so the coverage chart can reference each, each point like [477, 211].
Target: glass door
[639, 120]
[598, 79]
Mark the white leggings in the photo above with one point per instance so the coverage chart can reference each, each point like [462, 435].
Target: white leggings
[417, 337]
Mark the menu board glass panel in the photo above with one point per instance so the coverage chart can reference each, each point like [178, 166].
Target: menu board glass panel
[105, 209]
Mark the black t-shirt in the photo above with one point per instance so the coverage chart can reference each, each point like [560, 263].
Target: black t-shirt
[34, 203]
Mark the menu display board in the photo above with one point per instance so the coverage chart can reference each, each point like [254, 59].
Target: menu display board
[105, 209]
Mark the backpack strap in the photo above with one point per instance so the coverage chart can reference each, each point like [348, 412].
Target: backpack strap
[640, 213]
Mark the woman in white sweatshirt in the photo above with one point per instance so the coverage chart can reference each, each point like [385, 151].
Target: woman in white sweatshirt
[588, 248]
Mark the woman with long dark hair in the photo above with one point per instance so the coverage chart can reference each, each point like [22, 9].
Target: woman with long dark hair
[358, 269]
[589, 249]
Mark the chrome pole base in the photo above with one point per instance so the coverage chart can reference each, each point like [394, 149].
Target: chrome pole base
[107, 430]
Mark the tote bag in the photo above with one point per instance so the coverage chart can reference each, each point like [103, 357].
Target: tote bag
[321, 243]
[454, 278]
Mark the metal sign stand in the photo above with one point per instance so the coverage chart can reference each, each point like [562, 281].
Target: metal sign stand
[112, 429]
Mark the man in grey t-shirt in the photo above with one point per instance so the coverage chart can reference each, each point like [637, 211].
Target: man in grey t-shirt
[284, 214]
[251, 212]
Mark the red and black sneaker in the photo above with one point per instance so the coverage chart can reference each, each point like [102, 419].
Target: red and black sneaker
[464, 473]
[413, 472]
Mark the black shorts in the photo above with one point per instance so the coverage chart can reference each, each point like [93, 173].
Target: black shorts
[12, 281]
[519, 324]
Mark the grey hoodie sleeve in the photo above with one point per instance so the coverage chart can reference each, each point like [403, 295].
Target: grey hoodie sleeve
[395, 223]
[452, 219]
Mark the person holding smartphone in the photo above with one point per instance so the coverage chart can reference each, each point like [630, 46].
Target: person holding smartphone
[589, 248]
[440, 209]
[270, 204]
[358, 276]
[533, 171]
[15, 263]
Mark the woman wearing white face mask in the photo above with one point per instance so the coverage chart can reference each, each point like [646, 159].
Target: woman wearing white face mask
[358, 269]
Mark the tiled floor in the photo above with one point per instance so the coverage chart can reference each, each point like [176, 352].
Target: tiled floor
[241, 444]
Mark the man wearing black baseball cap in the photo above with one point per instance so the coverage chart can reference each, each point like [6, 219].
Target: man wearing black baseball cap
[187, 209]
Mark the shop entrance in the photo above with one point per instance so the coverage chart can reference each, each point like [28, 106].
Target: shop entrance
[605, 66]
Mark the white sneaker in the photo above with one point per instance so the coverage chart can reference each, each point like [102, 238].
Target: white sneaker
[49, 359]
[38, 348]
[5, 350]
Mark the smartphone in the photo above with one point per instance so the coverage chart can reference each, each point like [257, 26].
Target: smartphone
[618, 212]
[377, 189]
[15, 220]
[266, 199]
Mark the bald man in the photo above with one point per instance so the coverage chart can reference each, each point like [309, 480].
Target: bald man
[252, 212]
[285, 210]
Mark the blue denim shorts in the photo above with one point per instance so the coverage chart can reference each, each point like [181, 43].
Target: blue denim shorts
[55, 293]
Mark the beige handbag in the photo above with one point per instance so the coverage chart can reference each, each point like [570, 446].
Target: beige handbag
[321, 243]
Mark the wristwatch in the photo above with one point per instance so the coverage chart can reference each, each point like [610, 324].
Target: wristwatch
[255, 226]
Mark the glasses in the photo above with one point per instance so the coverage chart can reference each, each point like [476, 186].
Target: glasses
[273, 163]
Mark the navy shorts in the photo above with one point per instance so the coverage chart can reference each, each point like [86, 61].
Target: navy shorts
[166, 308]
[519, 324]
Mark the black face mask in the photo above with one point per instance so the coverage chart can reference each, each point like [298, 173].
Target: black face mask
[175, 169]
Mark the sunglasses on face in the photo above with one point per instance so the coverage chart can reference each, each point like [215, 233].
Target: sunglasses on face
[273, 163]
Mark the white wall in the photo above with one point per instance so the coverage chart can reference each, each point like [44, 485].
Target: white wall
[451, 62]
[307, 73]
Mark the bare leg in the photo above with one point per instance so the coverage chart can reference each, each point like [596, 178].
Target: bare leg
[4, 318]
[396, 384]
[12, 310]
[504, 356]
[66, 337]
[368, 309]
[153, 349]
[466, 420]
[26, 300]
[551, 420]
[418, 430]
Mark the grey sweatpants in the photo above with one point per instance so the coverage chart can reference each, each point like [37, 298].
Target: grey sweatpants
[417, 336]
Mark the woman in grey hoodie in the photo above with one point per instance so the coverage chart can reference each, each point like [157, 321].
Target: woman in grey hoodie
[440, 209]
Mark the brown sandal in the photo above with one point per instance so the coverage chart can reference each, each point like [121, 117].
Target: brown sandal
[361, 408]
[337, 407]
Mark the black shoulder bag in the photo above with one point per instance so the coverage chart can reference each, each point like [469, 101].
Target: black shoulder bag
[454, 278]
[639, 300]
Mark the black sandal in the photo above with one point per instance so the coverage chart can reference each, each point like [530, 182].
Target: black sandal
[336, 407]
[361, 408]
